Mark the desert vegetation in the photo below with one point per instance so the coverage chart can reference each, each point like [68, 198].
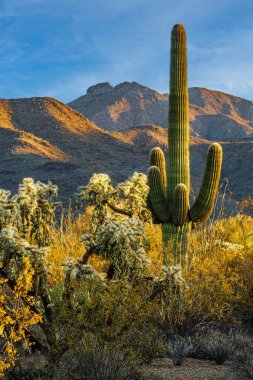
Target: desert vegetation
[90, 297]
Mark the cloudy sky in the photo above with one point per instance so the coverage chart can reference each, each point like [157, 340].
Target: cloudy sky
[59, 48]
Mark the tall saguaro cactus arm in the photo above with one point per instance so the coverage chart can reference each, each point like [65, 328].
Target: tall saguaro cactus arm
[203, 206]
[156, 158]
[178, 131]
[157, 194]
[180, 206]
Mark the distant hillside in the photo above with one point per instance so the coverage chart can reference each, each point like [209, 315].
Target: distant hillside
[237, 156]
[149, 136]
[214, 115]
[47, 140]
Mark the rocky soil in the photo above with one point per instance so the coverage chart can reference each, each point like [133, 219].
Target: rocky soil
[193, 369]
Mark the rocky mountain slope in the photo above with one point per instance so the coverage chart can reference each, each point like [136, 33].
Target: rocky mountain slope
[47, 140]
[214, 115]
[237, 165]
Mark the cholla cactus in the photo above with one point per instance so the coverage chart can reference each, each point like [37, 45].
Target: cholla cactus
[37, 210]
[124, 244]
[170, 281]
[28, 213]
[135, 192]
[127, 198]
[77, 275]
[117, 231]
[31, 211]
[97, 190]
[77, 270]
[9, 210]
[173, 274]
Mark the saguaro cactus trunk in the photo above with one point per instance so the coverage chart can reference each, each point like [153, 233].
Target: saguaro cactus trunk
[169, 193]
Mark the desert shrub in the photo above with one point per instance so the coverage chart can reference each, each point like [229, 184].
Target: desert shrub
[215, 345]
[179, 348]
[96, 359]
[216, 286]
[155, 249]
[215, 283]
[243, 351]
[113, 311]
[29, 367]
[17, 312]
[220, 267]
[23, 295]
[109, 309]
[147, 341]
[169, 292]
[236, 230]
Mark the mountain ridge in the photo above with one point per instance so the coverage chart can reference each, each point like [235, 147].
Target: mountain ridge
[48, 140]
[213, 114]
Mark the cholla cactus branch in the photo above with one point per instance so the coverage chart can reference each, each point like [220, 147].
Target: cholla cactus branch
[37, 210]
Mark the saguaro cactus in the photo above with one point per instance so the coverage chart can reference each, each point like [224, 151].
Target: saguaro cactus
[169, 193]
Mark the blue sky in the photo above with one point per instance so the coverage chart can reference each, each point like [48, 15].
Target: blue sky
[59, 48]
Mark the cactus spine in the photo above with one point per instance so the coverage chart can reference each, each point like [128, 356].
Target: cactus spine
[169, 193]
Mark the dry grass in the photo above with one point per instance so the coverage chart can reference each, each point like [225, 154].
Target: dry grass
[219, 275]
[66, 243]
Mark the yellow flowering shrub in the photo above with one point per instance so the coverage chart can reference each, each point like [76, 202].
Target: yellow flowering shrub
[216, 282]
[16, 315]
[218, 278]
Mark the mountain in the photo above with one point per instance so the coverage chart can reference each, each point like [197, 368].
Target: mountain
[214, 115]
[123, 106]
[47, 140]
